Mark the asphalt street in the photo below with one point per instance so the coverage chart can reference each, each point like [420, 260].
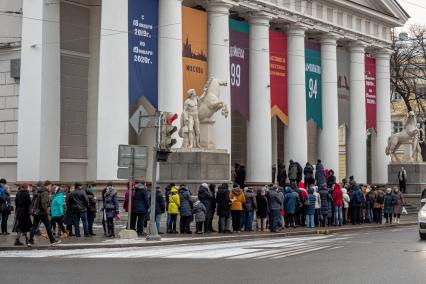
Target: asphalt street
[381, 256]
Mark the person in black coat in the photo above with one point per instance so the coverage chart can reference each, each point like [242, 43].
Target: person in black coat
[22, 214]
[223, 208]
[308, 172]
[262, 209]
[205, 196]
[160, 208]
[241, 176]
[281, 175]
[91, 210]
[140, 207]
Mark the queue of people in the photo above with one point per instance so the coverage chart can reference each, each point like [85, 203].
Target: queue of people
[317, 200]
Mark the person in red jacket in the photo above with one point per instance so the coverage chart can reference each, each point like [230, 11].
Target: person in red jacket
[338, 204]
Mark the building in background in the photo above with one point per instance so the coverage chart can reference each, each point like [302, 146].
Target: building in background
[292, 67]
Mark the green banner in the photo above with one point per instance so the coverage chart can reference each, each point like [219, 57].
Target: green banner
[313, 85]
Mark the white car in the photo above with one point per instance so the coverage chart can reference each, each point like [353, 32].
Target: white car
[422, 221]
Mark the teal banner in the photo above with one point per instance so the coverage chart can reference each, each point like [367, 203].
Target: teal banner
[313, 84]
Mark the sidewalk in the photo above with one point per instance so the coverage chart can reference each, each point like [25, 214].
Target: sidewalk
[99, 241]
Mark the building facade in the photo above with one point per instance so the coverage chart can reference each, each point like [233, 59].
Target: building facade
[307, 73]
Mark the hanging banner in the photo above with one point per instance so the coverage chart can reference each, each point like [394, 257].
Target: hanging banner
[278, 75]
[370, 93]
[343, 86]
[313, 82]
[142, 51]
[239, 66]
[194, 50]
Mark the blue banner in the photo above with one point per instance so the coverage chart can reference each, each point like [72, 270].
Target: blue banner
[143, 48]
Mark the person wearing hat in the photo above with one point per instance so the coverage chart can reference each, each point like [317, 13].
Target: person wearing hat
[238, 199]
[173, 210]
[186, 206]
[57, 211]
[22, 214]
[140, 207]
[111, 208]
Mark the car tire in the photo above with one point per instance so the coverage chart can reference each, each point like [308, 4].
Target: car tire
[422, 236]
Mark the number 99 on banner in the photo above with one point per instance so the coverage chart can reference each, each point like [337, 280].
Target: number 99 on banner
[235, 74]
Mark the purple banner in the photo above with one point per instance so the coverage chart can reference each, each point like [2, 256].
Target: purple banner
[239, 66]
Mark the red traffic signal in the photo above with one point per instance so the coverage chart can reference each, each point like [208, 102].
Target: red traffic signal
[170, 120]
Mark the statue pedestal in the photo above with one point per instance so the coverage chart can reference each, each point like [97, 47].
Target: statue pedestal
[416, 175]
[193, 167]
[206, 135]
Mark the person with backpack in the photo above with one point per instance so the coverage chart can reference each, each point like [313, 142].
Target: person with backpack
[5, 208]
[276, 201]
[186, 206]
[388, 205]
[290, 205]
[79, 204]
[57, 211]
[292, 172]
[40, 210]
[91, 210]
[310, 208]
[357, 202]
[379, 199]
[250, 206]
[22, 214]
[320, 174]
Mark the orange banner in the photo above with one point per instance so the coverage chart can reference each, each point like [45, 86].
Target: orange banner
[194, 49]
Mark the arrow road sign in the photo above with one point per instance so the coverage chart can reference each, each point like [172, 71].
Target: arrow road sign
[140, 119]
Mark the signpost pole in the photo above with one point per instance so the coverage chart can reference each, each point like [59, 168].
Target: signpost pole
[153, 232]
[132, 177]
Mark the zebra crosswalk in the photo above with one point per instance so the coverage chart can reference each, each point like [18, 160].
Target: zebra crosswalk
[274, 248]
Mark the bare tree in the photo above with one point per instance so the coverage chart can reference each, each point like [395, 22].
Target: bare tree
[408, 68]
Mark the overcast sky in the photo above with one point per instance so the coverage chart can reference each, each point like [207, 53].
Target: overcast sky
[416, 9]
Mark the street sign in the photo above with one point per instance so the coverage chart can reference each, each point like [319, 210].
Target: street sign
[138, 159]
[140, 119]
[125, 173]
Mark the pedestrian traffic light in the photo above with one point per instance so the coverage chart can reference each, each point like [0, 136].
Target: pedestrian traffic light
[167, 129]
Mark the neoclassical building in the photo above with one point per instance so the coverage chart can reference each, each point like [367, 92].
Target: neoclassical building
[299, 73]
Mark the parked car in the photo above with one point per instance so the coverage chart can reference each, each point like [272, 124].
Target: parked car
[422, 222]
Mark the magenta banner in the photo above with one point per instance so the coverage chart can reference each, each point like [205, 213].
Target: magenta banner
[239, 66]
[370, 92]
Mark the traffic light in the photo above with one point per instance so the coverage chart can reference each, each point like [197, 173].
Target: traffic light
[167, 130]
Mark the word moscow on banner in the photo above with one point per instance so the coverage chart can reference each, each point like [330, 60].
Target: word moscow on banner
[143, 47]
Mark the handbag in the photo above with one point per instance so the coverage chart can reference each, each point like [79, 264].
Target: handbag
[404, 211]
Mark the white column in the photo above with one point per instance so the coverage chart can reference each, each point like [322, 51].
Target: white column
[170, 58]
[357, 142]
[296, 134]
[113, 101]
[381, 160]
[329, 134]
[39, 98]
[218, 66]
[259, 152]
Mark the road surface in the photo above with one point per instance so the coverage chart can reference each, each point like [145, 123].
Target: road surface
[381, 256]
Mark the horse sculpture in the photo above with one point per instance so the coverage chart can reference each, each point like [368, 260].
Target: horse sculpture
[209, 102]
[410, 135]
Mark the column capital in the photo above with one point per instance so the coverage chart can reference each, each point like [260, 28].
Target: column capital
[329, 39]
[357, 46]
[219, 6]
[296, 30]
[260, 18]
[383, 53]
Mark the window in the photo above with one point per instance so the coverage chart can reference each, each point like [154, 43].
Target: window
[349, 21]
[367, 27]
[330, 15]
[319, 11]
[340, 18]
[397, 126]
[358, 24]
[309, 8]
[396, 97]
